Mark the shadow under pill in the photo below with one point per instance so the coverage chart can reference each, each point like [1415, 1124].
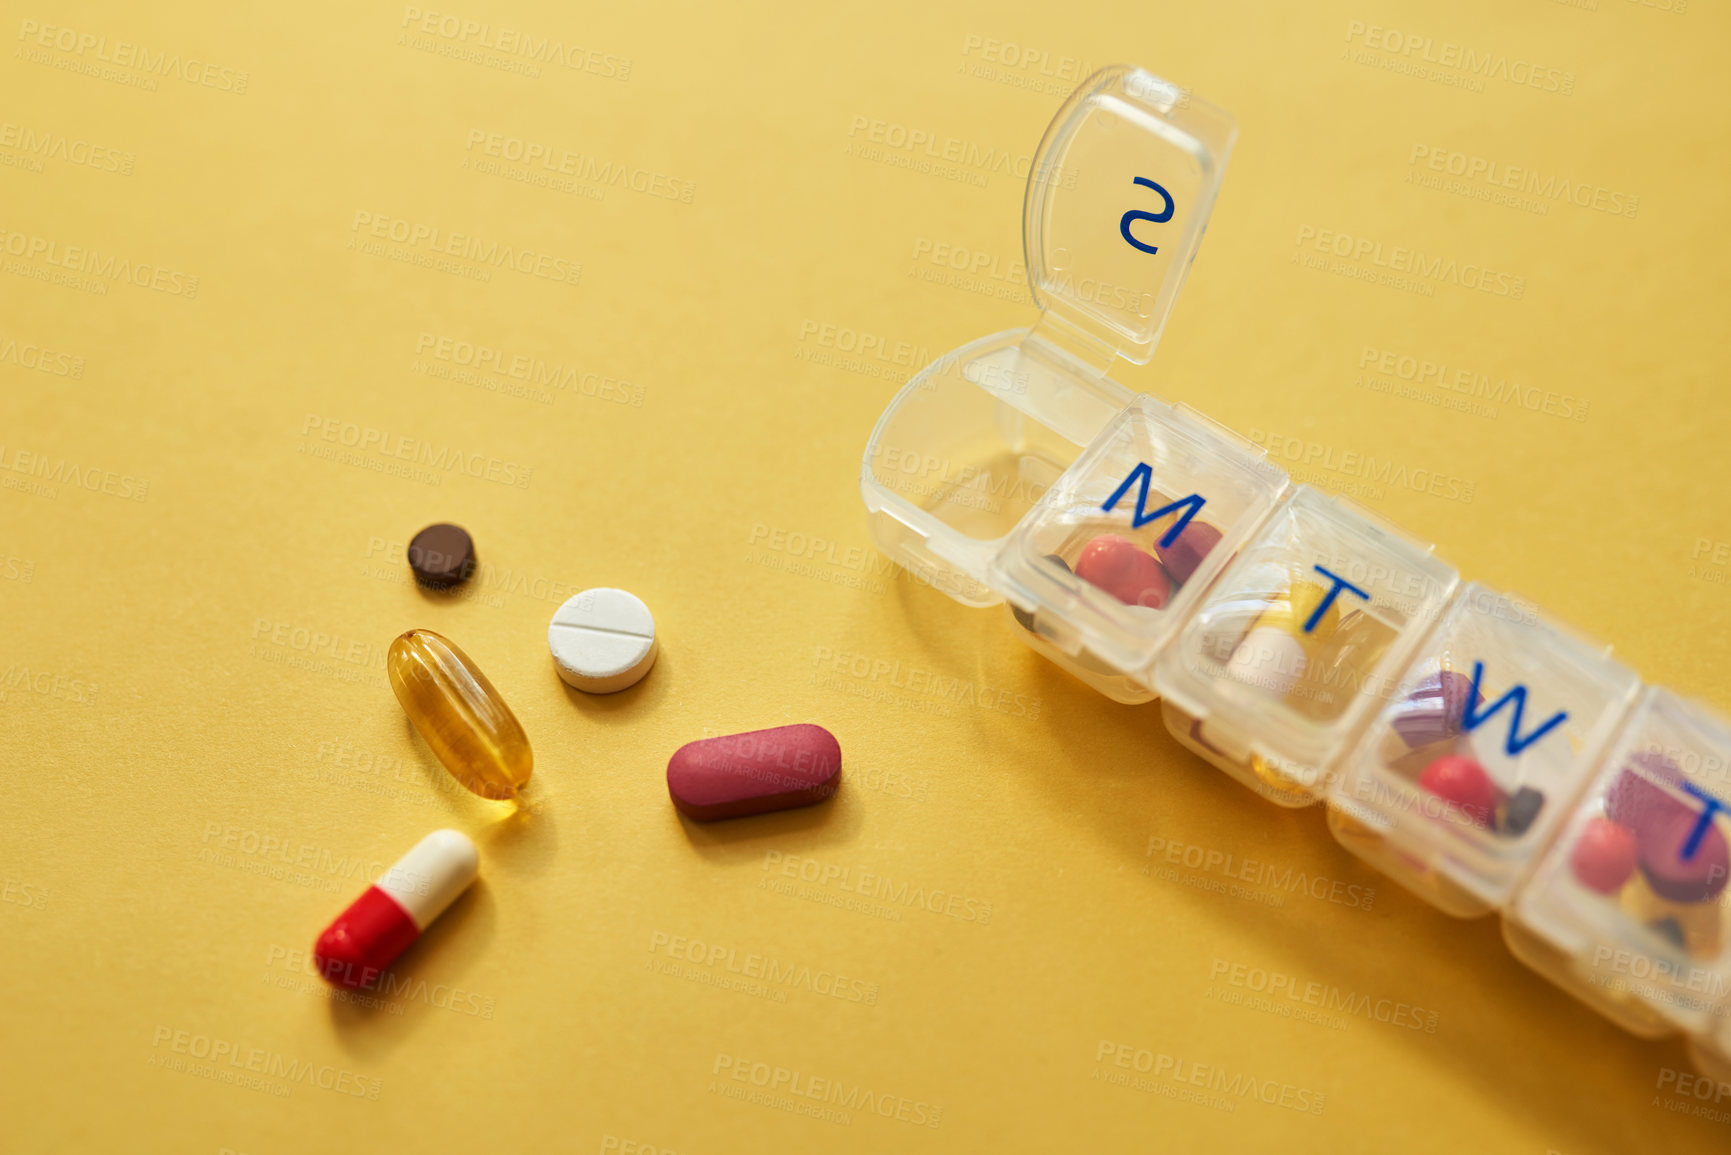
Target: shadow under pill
[448, 596]
[522, 841]
[521, 835]
[426, 980]
[621, 705]
[827, 823]
[1502, 1010]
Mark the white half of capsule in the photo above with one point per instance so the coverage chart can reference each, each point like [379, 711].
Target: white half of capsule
[1270, 659]
[429, 878]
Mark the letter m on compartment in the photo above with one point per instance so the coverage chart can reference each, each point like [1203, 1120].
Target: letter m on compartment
[1140, 477]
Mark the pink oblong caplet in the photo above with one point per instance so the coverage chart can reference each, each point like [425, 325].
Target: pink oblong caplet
[754, 772]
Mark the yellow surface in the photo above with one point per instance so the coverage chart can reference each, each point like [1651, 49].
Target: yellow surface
[167, 718]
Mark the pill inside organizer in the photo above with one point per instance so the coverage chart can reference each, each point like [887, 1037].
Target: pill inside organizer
[1297, 641]
[1626, 907]
[1261, 688]
[461, 716]
[1105, 568]
[1476, 753]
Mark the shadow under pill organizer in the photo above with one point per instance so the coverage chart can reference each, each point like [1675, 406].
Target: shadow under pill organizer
[1487, 758]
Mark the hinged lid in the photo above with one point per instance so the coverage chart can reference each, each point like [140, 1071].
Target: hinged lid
[1118, 197]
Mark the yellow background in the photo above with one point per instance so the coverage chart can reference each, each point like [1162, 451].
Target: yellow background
[163, 713]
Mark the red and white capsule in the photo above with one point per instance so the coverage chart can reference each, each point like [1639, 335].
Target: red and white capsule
[382, 923]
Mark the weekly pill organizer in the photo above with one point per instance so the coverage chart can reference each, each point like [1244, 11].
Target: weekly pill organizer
[1489, 759]
[1027, 919]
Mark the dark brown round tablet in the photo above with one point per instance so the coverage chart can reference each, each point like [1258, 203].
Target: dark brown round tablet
[442, 556]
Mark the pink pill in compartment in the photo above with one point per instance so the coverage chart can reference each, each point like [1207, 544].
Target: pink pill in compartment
[1125, 570]
[754, 772]
[1463, 781]
[1604, 856]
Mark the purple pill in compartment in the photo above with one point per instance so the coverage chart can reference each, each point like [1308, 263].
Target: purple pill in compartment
[1433, 711]
[1185, 555]
[1696, 878]
[1639, 798]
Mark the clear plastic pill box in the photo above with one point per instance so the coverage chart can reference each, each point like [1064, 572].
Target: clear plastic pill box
[1106, 636]
[987, 474]
[1301, 639]
[1640, 935]
[1531, 703]
[1480, 754]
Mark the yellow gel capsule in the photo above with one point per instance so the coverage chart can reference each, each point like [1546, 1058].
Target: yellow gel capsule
[460, 714]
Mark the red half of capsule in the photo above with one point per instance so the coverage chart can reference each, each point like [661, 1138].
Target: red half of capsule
[366, 938]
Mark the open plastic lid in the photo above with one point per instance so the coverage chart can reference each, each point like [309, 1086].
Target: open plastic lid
[1118, 197]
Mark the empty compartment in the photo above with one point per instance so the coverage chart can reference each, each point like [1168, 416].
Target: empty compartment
[966, 449]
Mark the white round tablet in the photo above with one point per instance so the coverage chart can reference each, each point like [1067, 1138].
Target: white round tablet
[602, 640]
